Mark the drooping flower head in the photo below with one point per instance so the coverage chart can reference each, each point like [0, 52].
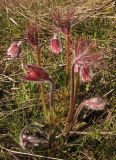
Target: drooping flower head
[84, 60]
[14, 50]
[32, 35]
[96, 103]
[35, 73]
[55, 45]
[63, 24]
[26, 140]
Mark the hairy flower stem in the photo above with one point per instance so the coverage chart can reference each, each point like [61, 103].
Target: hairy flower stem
[71, 107]
[38, 61]
[80, 107]
[77, 85]
[67, 56]
[37, 56]
[51, 92]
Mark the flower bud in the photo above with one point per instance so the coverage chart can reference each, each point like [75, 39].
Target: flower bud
[14, 50]
[55, 45]
[35, 73]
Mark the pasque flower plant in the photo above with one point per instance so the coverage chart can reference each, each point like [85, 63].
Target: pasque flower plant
[83, 61]
[82, 64]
